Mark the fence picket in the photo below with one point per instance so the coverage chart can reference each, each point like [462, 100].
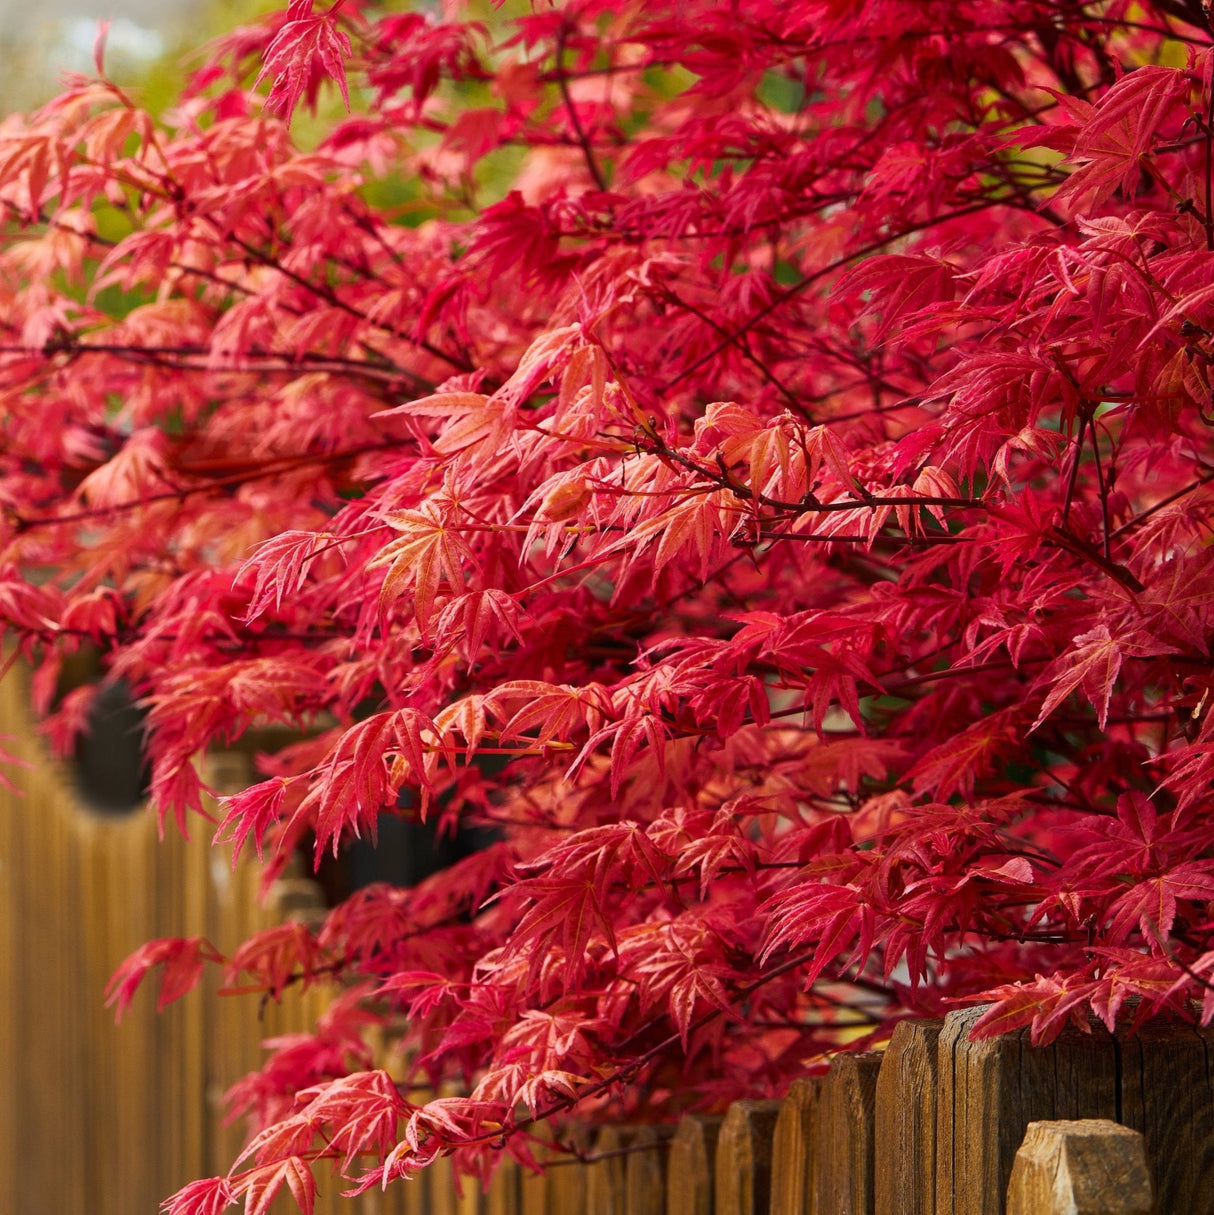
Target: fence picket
[794, 1175]
[743, 1164]
[691, 1166]
[534, 1191]
[502, 1196]
[608, 1176]
[905, 1135]
[1167, 1093]
[845, 1136]
[1154, 1080]
[567, 1181]
[990, 1091]
[645, 1172]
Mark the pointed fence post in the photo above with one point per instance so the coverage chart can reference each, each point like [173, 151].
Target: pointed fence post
[1154, 1080]
[743, 1165]
[645, 1172]
[904, 1179]
[691, 1166]
[845, 1136]
[794, 1177]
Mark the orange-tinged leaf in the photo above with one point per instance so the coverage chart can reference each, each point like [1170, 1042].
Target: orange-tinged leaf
[262, 1185]
[208, 1196]
[428, 553]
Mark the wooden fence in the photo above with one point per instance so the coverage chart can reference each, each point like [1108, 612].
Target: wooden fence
[102, 1121]
[98, 1119]
[936, 1125]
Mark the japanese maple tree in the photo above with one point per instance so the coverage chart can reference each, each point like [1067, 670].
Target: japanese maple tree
[755, 459]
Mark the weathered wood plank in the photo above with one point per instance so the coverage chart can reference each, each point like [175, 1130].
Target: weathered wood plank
[690, 1167]
[742, 1172]
[607, 1176]
[990, 1091]
[845, 1136]
[568, 1177]
[1084, 1167]
[503, 1196]
[794, 1177]
[442, 1188]
[1167, 1093]
[905, 1134]
[136, 1108]
[1157, 1081]
[533, 1191]
[645, 1172]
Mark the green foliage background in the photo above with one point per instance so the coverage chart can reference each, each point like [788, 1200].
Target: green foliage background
[31, 45]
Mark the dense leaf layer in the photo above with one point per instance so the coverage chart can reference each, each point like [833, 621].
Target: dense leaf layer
[754, 458]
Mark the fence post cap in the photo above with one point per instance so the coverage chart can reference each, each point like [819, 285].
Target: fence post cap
[1090, 1166]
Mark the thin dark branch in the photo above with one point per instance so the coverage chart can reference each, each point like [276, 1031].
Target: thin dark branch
[562, 81]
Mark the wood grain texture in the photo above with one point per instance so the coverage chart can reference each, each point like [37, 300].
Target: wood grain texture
[533, 1192]
[845, 1136]
[742, 1172]
[98, 1119]
[990, 1091]
[538, 1188]
[904, 1172]
[607, 1176]
[504, 1196]
[1167, 1093]
[1083, 1167]
[794, 1176]
[442, 1180]
[690, 1166]
[568, 1177]
[1159, 1080]
[645, 1172]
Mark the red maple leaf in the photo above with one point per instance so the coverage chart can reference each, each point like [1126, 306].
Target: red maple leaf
[307, 46]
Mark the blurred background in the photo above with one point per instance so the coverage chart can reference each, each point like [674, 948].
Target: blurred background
[151, 43]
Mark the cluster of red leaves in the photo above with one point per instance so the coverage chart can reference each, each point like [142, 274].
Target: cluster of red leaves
[779, 434]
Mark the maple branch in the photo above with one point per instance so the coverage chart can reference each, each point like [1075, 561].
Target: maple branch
[1081, 548]
[580, 1155]
[1162, 504]
[806, 281]
[272, 468]
[622, 1074]
[276, 363]
[1191, 12]
[1073, 475]
[583, 140]
[330, 296]
[744, 347]
[1208, 219]
[1102, 488]
[810, 504]
[898, 540]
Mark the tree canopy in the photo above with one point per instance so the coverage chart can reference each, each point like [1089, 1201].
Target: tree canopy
[754, 459]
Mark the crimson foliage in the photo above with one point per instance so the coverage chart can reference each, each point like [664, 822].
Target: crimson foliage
[799, 481]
